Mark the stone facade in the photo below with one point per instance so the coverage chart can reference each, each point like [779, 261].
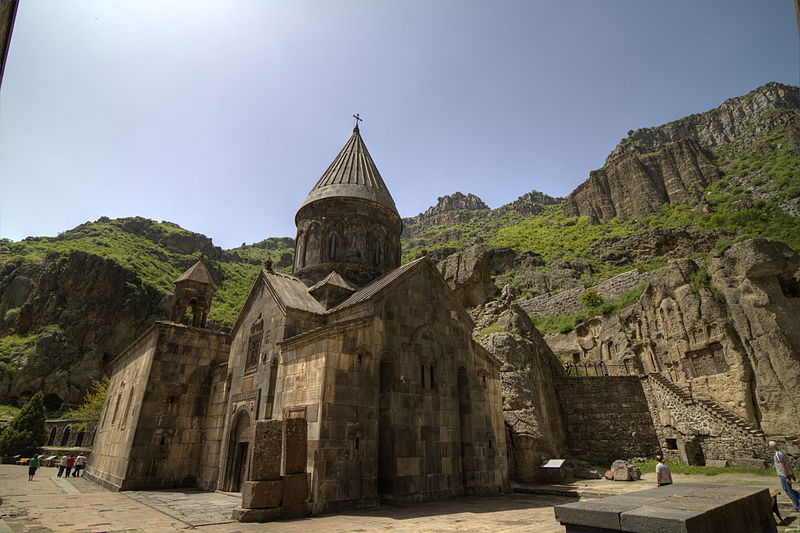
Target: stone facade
[360, 375]
[151, 432]
[607, 417]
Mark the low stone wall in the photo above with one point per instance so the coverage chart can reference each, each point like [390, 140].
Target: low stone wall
[606, 417]
[569, 301]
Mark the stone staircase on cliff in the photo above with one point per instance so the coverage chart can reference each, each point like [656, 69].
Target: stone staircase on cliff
[709, 405]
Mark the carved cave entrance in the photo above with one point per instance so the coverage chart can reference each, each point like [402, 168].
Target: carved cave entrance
[238, 453]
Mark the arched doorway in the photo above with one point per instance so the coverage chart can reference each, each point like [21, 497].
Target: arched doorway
[238, 452]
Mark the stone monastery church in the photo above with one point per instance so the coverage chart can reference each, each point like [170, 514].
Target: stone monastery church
[352, 382]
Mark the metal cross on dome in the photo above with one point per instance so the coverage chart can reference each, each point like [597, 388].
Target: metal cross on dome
[358, 119]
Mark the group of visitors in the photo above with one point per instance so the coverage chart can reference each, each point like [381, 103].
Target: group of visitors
[67, 464]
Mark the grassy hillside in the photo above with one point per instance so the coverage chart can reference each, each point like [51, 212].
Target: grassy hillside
[158, 252]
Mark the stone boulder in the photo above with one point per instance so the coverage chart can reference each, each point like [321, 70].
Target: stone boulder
[624, 471]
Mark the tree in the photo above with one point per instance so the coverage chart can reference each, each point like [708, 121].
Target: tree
[88, 413]
[26, 433]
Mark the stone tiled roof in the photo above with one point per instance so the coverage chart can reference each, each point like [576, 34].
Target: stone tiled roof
[291, 292]
[197, 272]
[352, 174]
[378, 285]
[332, 279]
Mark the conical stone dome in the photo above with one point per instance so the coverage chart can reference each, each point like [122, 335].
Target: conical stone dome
[352, 174]
[348, 222]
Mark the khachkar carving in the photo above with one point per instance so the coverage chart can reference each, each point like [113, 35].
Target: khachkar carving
[193, 290]
[348, 222]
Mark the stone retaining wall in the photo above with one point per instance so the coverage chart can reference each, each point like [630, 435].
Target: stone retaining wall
[607, 417]
[569, 301]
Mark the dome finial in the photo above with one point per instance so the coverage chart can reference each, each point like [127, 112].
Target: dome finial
[358, 119]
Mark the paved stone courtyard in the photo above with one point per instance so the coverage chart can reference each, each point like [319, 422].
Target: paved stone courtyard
[52, 504]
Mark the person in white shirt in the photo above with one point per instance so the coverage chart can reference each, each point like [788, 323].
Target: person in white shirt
[786, 475]
[80, 464]
[62, 464]
[663, 475]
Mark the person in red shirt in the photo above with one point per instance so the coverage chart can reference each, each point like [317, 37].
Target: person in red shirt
[70, 464]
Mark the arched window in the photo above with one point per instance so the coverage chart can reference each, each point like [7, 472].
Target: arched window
[377, 253]
[332, 246]
[65, 436]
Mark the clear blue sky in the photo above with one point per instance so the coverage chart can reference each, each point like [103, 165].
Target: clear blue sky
[221, 115]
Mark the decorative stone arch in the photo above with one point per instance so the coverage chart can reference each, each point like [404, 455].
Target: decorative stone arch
[429, 353]
[269, 404]
[313, 248]
[239, 450]
[334, 242]
[356, 236]
[377, 239]
[300, 251]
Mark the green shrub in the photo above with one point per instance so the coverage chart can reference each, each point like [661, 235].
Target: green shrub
[591, 299]
[88, 413]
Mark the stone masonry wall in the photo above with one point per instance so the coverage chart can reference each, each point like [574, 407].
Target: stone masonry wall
[691, 422]
[214, 430]
[607, 417]
[569, 301]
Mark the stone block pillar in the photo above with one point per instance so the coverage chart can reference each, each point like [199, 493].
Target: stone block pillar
[268, 495]
[295, 445]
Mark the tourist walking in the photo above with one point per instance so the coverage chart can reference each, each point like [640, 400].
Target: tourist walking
[62, 464]
[80, 461]
[70, 464]
[663, 475]
[32, 466]
[786, 475]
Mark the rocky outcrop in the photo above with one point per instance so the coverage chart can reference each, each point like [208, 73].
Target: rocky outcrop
[75, 312]
[530, 203]
[655, 242]
[727, 330]
[535, 429]
[715, 127]
[636, 186]
[451, 209]
[470, 272]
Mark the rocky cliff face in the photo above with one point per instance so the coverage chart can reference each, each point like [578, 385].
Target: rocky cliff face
[727, 329]
[76, 312]
[672, 163]
[715, 127]
[631, 185]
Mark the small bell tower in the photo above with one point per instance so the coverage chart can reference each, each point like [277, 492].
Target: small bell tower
[193, 290]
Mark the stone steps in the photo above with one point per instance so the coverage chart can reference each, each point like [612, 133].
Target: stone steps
[711, 406]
